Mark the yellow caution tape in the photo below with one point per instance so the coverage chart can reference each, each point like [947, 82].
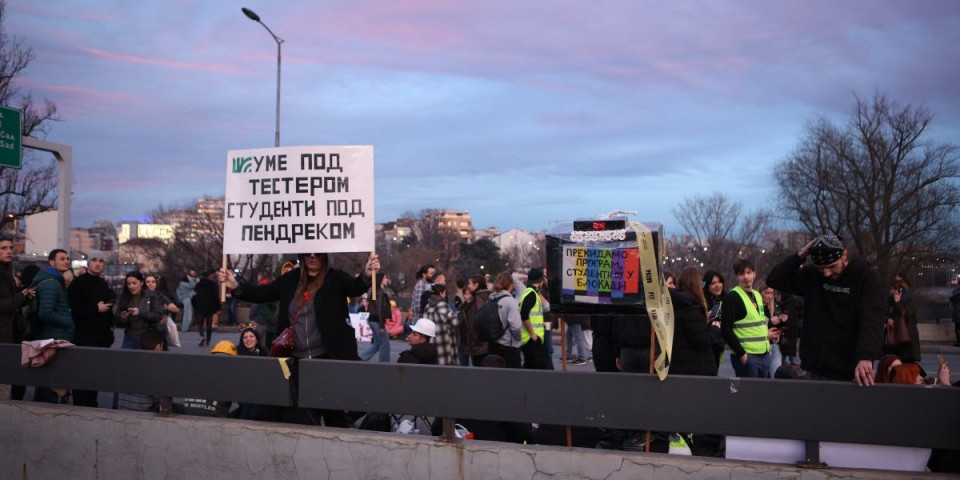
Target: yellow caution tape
[656, 296]
[284, 368]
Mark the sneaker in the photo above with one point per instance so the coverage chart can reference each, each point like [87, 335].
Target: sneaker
[577, 361]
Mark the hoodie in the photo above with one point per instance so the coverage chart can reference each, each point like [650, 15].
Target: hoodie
[843, 318]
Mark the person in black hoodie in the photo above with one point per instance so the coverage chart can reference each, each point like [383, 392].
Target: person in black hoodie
[91, 304]
[843, 310]
[421, 350]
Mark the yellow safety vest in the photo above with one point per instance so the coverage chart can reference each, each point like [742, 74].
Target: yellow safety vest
[536, 316]
[751, 330]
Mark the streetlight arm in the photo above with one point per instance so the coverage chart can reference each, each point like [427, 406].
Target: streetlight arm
[275, 38]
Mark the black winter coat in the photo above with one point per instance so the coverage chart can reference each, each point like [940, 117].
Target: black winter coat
[423, 354]
[329, 306]
[693, 337]
[206, 300]
[11, 299]
[85, 292]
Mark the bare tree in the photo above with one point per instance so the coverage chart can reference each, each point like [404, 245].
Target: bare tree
[31, 189]
[719, 232]
[878, 181]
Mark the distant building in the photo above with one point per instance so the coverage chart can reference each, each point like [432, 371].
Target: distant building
[205, 219]
[394, 232]
[102, 237]
[525, 248]
[487, 233]
[129, 230]
[456, 220]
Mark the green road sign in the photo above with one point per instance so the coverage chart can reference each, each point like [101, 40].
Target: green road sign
[10, 138]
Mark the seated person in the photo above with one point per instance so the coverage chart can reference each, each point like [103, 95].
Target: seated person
[395, 322]
[422, 351]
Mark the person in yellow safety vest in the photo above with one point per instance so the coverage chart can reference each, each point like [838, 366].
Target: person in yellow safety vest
[744, 326]
[531, 314]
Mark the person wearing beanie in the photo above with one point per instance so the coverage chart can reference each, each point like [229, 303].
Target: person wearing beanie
[844, 310]
[535, 356]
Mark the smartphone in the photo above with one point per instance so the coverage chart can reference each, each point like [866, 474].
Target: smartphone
[714, 312]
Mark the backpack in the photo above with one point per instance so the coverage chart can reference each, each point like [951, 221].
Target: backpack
[487, 322]
[31, 325]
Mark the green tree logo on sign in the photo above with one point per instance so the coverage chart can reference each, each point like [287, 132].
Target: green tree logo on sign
[242, 165]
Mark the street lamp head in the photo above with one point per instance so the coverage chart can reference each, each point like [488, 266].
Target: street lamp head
[250, 14]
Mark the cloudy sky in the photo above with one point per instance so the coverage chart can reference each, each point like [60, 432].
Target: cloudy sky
[524, 113]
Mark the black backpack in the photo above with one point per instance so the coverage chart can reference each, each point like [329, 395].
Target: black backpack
[487, 322]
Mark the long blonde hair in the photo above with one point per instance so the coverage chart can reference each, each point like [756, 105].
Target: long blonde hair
[307, 288]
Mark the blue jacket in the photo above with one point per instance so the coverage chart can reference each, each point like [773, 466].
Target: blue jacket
[53, 305]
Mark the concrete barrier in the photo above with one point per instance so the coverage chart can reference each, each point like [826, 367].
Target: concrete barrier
[58, 441]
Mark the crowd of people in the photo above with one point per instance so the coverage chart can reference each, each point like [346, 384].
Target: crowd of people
[820, 314]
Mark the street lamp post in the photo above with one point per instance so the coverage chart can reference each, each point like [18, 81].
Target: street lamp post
[256, 18]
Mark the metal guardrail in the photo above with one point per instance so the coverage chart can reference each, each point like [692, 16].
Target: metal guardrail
[241, 379]
[900, 415]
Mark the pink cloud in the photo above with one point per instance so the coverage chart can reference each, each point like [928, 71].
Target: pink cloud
[127, 58]
[31, 9]
[75, 102]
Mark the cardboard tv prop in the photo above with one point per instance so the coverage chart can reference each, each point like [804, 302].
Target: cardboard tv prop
[593, 267]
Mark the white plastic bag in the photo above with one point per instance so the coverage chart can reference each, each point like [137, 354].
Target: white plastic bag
[173, 336]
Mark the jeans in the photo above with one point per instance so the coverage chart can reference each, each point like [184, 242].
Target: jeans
[757, 366]
[776, 359]
[548, 341]
[231, 311]
[380, 343]
[187, 315]
[576, 340]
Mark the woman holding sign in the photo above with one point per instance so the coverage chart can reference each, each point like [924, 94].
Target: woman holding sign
[312, 300]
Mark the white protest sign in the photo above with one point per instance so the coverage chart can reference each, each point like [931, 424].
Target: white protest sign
[361, 327]
[299, 200]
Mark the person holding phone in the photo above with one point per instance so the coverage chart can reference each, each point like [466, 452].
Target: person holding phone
[91, 305]
[140, 309]
[714, 289]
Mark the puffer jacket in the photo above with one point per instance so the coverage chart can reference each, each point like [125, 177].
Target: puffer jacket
[53, 305]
